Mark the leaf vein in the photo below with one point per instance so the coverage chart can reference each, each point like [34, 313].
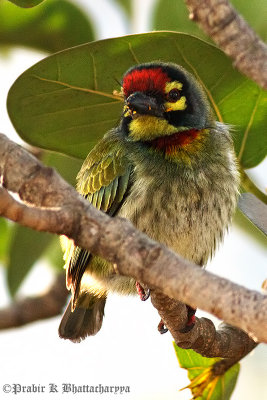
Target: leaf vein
[222, 77]
[86, 107]
[249, 125]
[233, 91]
[94, 72]
[212, 387]
[133, 53]
[82, 126]
[67, 85]
[46, 93]
[58, 69]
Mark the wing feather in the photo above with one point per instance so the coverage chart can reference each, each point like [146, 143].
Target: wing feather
[104, 181]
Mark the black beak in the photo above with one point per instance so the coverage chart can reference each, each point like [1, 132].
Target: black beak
[140, 103]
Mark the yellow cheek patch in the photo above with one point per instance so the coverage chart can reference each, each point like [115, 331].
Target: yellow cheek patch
[147, 127]
[178, 105]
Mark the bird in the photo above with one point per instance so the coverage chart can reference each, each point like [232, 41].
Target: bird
[170, 168]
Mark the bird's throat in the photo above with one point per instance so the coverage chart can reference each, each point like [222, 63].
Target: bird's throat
[170, 144]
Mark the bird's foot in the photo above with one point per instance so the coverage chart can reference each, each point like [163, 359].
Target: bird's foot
[189, 325]
[144, 295]
[191, 319]
[162, 328]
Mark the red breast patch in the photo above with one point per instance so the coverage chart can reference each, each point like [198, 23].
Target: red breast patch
[169, 144]
[145, 80]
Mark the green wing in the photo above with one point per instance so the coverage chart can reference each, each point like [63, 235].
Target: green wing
[104, 181]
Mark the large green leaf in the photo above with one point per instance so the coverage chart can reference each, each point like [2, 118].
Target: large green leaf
[173, 15]
[66, 102]
[204, 385]
[26, 3]
[52, 26]
[25, 249]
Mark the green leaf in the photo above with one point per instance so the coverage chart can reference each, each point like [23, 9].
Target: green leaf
[204, 385]
[189, 359]
[26, 3]
[54, 254]
[66, 101]
[26, 247]
[66, 166]
[5, 230]
[52, 26]
[174, 15]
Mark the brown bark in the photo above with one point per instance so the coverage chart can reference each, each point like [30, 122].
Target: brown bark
[227, 341]
[32, 309]
[233, 35]
[50, 204]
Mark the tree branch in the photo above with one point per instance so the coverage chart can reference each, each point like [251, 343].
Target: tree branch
[233, 35]
[35, 308]
[51, 204]
[227, 341]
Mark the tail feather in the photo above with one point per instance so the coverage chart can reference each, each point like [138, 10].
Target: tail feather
[76, 325]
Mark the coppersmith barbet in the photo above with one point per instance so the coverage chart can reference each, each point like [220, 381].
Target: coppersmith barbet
[168, 167]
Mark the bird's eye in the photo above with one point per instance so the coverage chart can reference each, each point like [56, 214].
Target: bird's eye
[173, 95]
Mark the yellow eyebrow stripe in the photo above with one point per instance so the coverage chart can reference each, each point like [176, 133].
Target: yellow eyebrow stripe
[173, 85]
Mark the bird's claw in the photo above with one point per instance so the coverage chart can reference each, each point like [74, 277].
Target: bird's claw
[162, 328]
[144, 295]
